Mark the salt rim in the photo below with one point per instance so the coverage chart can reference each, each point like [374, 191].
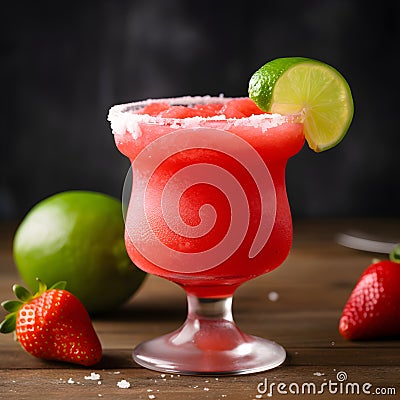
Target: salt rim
[122, 117]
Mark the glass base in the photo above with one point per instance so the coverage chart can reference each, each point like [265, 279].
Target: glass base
[209, 343]
[254, 355]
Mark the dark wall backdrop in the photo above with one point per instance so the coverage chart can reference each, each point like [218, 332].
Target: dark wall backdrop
[63, 64]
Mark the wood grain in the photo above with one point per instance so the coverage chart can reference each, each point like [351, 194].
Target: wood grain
[312, 286]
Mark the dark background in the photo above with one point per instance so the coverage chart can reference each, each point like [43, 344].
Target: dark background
[63, 64]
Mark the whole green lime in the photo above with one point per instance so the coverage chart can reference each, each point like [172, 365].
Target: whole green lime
[78, 237]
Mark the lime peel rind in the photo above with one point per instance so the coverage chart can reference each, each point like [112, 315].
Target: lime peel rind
[263, 80]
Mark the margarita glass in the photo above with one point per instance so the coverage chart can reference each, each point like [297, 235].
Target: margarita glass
[208, 211]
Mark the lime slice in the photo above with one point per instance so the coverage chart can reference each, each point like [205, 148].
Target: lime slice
[296, 84]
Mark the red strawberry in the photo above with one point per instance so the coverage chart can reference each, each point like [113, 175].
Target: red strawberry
[53, 325]
[373, 309]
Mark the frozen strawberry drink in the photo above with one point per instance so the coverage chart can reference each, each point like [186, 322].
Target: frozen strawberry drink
[209, 211]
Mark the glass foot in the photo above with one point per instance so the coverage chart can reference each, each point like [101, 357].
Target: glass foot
[254, 355]
[209, 343]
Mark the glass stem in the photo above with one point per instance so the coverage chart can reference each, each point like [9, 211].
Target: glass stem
[210, 325]
[210, 308]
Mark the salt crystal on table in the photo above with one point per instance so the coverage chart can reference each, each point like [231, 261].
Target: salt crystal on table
[123, 384]
[273, 296]
[93, 377]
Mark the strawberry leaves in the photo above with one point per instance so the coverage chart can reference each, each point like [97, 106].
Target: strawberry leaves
[13, 306]
[395, 254]
[8, 325]
[58, 285]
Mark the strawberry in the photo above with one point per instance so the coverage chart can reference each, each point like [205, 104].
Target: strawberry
[52, 324]
[373, 309]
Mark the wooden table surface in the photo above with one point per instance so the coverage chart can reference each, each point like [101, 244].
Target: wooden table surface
[312, 287]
